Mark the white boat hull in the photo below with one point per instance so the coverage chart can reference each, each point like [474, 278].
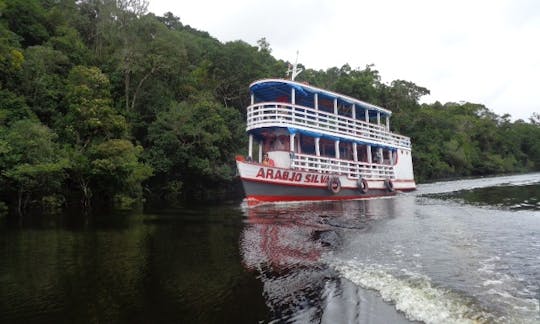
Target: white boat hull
[272, 184]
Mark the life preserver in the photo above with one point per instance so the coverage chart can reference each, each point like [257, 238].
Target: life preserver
[334, 185]
[363, 185]
[389, 184]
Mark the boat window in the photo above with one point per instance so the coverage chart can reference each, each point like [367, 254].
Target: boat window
[283, 98]
[345, 109]
[327, 148]
[306, 101]
[307, 144]
[362, 153]
[345, 151]
[326, 105]
[386, 156]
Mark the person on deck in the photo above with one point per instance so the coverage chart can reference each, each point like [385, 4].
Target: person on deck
[268, 161]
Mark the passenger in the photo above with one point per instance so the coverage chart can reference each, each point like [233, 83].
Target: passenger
[268, 161]
[378, 157]
[278, 145]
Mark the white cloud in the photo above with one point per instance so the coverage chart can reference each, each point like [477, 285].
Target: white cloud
[480, 51]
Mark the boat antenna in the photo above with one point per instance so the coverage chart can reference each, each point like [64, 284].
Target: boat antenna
[294, 70]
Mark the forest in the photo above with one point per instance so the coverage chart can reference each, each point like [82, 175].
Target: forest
[103, 104]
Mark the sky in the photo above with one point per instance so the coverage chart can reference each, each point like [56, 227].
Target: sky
[485, 52]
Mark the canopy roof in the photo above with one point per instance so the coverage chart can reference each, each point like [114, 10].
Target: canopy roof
[261, 133]
[278, 89]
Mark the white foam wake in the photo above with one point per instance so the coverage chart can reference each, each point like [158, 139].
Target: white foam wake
[414, 295]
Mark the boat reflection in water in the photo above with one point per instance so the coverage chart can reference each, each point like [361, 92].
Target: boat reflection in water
[287, 244]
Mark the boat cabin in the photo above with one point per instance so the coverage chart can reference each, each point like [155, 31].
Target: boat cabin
[306, 128]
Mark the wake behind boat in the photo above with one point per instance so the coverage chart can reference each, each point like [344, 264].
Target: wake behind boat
[315, 144]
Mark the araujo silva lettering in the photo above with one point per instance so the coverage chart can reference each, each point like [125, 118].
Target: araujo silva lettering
[265, 173]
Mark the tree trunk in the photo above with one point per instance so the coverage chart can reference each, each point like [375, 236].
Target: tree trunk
[19, 201]
[127, 80]
[87, 194]
[139, 86]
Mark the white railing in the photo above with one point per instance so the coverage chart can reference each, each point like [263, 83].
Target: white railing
[338, 166]
[270, 114]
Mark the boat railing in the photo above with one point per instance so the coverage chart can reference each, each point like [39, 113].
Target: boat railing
[353, 169]
[269, 114]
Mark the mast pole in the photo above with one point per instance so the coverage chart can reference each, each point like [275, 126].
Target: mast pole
[294, 70]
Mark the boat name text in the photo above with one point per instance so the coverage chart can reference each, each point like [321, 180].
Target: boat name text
[291, 176]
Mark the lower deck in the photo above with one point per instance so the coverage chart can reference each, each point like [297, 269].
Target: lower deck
[273, 183]
[307, 151]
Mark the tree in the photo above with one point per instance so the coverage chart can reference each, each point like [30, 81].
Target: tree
[31, 161]
[43, 81]
[26, 18]
[116, 171]
[13, 108]
[264, 46]
[104, 162]
[11, 56]
[363, 84]
[193, 145]
[90, 117]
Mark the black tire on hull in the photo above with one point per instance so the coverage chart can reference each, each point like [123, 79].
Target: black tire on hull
[363, 185]
[389, 184]
[334, 185]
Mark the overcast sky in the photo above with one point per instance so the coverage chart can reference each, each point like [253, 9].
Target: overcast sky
[479, 51]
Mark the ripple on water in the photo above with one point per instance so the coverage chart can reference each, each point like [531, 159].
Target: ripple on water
[416, 296]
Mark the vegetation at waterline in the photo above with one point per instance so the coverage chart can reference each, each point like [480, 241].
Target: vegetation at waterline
[103, 103]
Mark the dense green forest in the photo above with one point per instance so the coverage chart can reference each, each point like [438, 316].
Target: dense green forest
[105, 104]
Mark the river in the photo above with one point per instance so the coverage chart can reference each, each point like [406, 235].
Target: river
[465, 251]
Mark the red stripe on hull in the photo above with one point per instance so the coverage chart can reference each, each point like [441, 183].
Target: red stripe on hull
[290, 184]
[263, 198]
[322, 186]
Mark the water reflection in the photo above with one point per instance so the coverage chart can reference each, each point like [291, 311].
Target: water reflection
[178, 266]
[286, 246]
[524, 197]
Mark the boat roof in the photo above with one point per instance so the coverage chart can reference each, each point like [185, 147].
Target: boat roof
[270, 89]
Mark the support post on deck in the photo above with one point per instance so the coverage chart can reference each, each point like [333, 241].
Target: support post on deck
[367, 116]
[388, 122]
[355, 152]
[250, 147]
[260, 151]
[337, 149]
[293, 102]
[291, 141]
[317, 146]
[369, 158]
[316, 102]
[379, 118]
[252, 99]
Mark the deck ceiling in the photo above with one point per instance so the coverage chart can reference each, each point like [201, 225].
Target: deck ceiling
[280, 91]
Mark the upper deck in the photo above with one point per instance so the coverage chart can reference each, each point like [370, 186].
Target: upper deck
[284, 103]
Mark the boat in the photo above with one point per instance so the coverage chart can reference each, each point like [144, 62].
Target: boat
[307, 144]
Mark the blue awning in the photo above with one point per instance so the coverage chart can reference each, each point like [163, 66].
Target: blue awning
[280, 91]
[261, 133]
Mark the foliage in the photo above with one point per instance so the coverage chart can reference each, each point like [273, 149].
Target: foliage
[194, 142]
[31, 162]
[101, 102]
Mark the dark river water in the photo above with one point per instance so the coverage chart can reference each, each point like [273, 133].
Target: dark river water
[464, 251]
